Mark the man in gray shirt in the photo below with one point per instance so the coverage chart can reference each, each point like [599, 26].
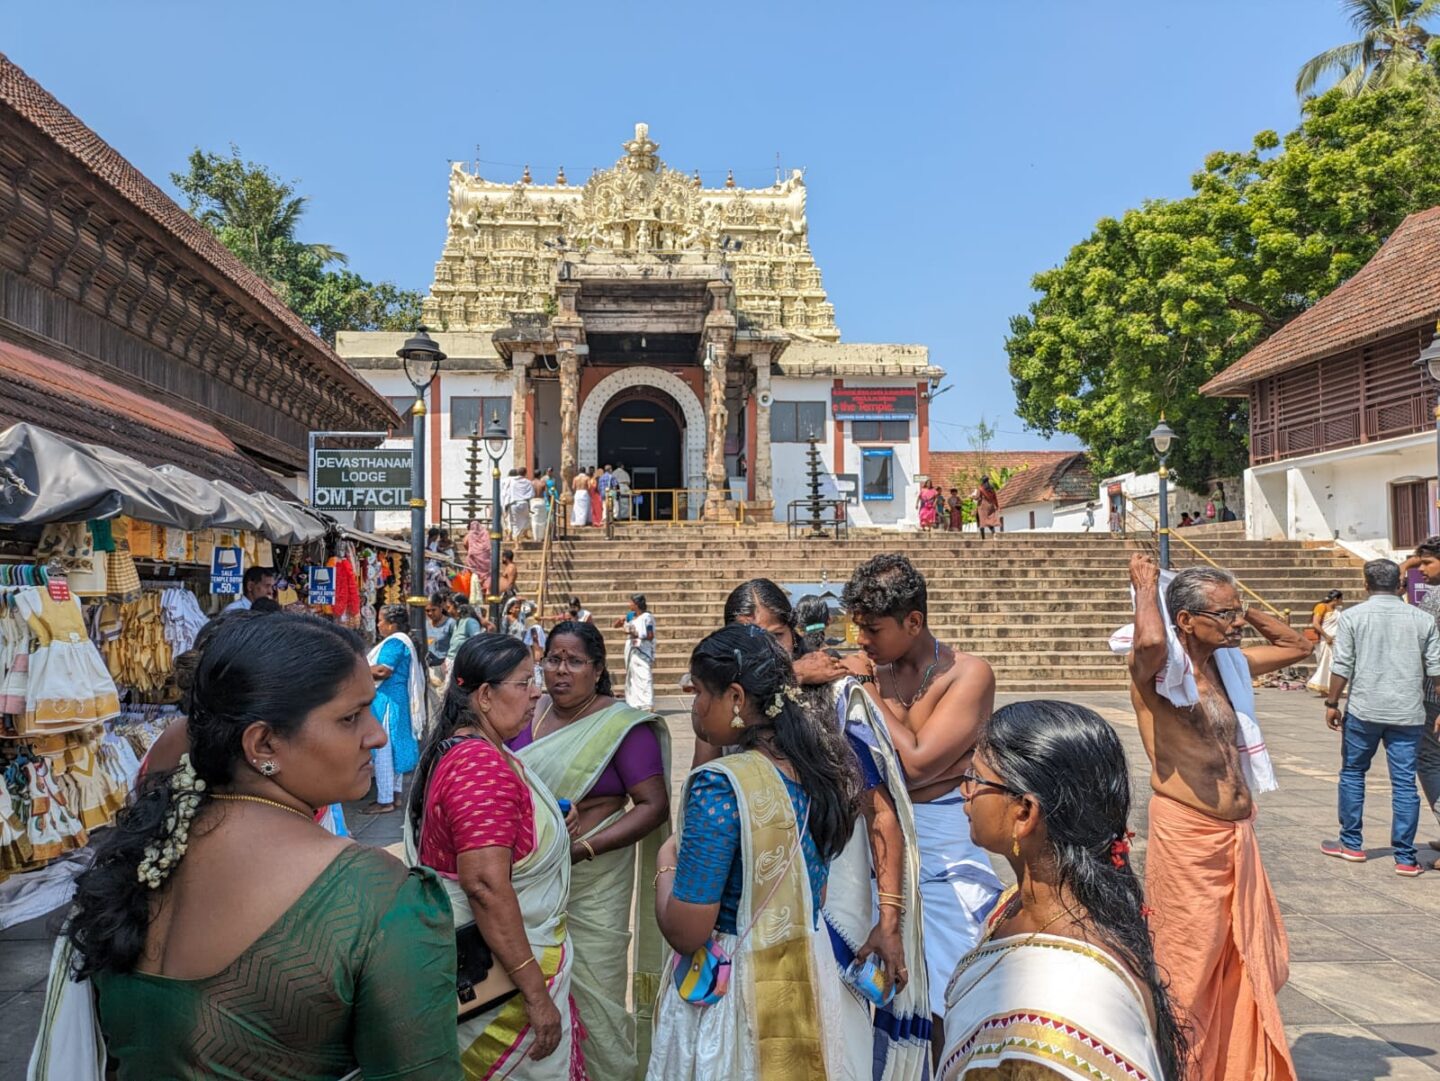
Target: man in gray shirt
[1385, 651]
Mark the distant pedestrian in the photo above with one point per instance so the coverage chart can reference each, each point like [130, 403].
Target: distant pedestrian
[596, 510]
[399, 706]
[522, 490]
[605, 484]
[956, 511]
[987, 507]
[639, 627]
[1384, 651]
[1324, 619]
[622, 493]
[1089, 517]
[928, 504]
[507, 488]
[1185, 520]
[580, 493]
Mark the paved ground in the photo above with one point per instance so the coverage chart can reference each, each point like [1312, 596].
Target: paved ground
[1363, 1000]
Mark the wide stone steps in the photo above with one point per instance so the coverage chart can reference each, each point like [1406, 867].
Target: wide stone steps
[1039, 607]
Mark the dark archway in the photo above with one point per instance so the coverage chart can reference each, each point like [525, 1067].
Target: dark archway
[640, 429]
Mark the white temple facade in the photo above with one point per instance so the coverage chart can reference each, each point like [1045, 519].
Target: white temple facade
[646, 320]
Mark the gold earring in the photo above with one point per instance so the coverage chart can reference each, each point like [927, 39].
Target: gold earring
[1015, 846]
[736, 721]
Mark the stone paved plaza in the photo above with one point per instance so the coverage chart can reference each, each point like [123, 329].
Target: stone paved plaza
[1363, 1001]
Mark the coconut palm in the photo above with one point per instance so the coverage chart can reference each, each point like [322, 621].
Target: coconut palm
[1392, 43]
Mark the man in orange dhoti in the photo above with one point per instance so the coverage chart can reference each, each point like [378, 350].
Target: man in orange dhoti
[1219, 938]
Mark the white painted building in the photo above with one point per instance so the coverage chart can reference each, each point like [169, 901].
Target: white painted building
[1342, 445]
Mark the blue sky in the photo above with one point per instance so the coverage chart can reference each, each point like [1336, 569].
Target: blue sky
[951, 149]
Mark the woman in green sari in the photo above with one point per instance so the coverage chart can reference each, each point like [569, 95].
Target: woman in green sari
[225, 933]
[612, 762]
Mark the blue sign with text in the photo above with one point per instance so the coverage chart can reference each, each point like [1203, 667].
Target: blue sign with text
[227, 570]
[322, 585]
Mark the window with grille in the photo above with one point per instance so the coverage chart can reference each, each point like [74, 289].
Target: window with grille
[468, 413]
[880, 431]
[797, 422]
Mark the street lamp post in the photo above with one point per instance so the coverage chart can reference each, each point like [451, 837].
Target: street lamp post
[1161, 438]
[421, 359]
[497, 439]
[1429, 362]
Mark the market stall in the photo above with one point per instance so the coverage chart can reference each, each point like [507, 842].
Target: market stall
[108, 570]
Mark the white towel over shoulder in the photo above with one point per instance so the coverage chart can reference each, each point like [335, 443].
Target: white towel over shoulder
[1175, 682]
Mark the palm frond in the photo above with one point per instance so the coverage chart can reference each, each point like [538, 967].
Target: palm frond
[1343, 58]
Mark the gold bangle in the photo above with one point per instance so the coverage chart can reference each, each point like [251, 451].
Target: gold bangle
[892, 896]
[588, 848]
[660, 871]
[511, 971]
[891, 904]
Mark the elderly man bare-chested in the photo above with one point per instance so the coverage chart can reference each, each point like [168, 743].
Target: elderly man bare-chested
[934, 700]
[1218, 933]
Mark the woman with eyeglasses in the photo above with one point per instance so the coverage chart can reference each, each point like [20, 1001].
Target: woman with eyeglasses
[1064, 983]
[612, 762]
[496, 835]
[742, 883]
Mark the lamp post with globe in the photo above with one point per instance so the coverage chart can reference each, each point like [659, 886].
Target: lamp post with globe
[497, 441]
[1162, 438]
[421, 359]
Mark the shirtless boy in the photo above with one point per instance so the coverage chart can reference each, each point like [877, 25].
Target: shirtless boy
[934, 700]
[1202, 866]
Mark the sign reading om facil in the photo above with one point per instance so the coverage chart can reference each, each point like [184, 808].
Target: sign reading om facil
[360, 479]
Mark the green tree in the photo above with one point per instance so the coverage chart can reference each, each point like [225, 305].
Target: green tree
[256, 214]
[1154, 303]
[1392, 45]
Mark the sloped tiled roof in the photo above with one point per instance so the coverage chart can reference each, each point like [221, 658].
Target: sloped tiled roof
[1038, 476]
[35, 389]
[1397, 289]
[34, 104]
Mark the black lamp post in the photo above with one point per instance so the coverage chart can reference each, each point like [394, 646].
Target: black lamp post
[1161, 438]
[1429, 362]
[497, 440]
[421, 359]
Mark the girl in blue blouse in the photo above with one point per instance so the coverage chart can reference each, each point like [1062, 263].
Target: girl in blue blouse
[746, 695]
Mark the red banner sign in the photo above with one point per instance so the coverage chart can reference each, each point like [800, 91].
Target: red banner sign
[872, 403]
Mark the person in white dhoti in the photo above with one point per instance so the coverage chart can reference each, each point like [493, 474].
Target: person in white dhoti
[507, 490]
[934, 700]
[522, 490]
[639, 627]
[580, 494]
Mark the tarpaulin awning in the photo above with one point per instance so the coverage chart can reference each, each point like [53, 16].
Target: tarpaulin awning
[45, 478]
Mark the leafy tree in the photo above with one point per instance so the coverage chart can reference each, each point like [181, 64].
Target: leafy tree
[1154, 303]
[1392, 45]
[256, 214]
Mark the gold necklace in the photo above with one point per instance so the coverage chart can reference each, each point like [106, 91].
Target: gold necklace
[1016, 945]
[535, 728]
[267, 802]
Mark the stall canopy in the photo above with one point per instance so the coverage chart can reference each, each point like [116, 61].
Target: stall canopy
[45, 477]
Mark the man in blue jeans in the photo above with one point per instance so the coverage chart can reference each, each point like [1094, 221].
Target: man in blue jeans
[1385, 651]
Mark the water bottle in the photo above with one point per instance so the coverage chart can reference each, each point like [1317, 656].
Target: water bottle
[871, 980]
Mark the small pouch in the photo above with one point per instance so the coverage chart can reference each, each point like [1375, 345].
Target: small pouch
[703, 978]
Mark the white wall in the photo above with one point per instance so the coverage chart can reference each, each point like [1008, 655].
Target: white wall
[1339, 495]
[788, 460]
[1049, 518]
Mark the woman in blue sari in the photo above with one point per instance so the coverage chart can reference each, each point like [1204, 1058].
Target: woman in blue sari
[399, 705]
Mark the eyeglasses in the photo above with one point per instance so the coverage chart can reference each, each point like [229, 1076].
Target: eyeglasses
[512, 682]
[564, 664]
[1225, 615]
[969, 779]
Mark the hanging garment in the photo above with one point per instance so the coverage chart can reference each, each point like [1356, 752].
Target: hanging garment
[68, 684]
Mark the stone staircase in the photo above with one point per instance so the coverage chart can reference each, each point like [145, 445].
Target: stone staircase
[1039, 607]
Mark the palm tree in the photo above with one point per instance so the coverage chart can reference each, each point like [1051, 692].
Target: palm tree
[1392, 43]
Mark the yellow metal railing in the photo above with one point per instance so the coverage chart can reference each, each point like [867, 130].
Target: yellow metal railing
[1153, 527]
[671, 507]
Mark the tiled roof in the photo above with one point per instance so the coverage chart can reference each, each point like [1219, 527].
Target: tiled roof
[33, 103]
[1397, 289]
[1038, 476]
[35, 389]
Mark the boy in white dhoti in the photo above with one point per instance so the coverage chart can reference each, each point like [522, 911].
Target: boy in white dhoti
[934, 700]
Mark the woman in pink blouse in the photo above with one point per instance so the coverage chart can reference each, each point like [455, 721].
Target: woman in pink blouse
[497, 837]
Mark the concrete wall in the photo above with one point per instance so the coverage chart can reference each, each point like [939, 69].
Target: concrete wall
[1339, 495]
[1049, 518]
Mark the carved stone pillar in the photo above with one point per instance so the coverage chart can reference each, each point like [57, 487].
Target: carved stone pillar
[717, 419]
[569, 415]
[760, 468]
[519, 390]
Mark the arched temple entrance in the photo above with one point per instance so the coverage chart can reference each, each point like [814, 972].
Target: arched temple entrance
[643, 428]
[648, 419]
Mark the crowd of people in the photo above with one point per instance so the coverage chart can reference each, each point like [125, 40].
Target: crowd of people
[826, 906]
[529, 502]
[951, 512]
